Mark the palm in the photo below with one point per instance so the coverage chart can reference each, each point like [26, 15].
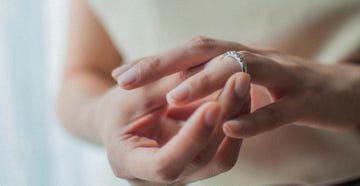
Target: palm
[147, 140]
[154, 130]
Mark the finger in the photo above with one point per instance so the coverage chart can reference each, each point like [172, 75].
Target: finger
[194, 52]
[121, 69]
[148, 97]
[226, 156]
[183, 112]
[235, 95]
[282, 112]
[262, 70]
[267, 72]
[181, 149]
[260, 97]
[224, 159]
[211, 78]
[246, 108]
[134, 145]
[232, 99]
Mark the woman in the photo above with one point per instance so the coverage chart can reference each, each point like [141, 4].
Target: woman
[144, 139]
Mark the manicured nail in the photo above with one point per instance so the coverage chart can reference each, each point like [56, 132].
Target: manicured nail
[237, 129]
[118, 71]
[240, 87]
[180, 93]
[129, 77]
[212, 116]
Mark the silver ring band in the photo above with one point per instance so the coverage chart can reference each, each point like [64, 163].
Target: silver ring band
[239, 58]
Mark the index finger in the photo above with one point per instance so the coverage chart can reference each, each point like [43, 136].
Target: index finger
[190, 54]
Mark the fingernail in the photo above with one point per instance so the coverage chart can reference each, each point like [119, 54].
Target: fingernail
[180, 93]
[237, 128]
[240, 87]
[118, 71]
[212, 116]
[129, 77]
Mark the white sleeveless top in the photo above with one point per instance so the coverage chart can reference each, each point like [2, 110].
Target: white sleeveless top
[291, 154]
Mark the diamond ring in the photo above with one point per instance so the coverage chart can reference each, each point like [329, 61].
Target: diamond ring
[239, 58]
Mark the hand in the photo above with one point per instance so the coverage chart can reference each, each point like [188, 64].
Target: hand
[146, 145]
[189, 59]
[304, 92]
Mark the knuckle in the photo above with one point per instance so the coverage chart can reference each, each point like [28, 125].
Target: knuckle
[148, 64]
[200, 44]
[165, 176]
[149, 104]
[272, 116]
[164, 173]
[183, 75]
[199, 84]
[248, 132]
[200, 40]
[202, 160]
[226, 164]
[154, 62]
[271, 51]
[205, 79]
[246, 55]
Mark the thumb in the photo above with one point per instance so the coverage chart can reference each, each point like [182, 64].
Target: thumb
[274, 115]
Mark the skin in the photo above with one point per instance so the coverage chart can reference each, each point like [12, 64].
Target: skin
[148, 141]
[146, 145]
[152, 137]
[310, 94]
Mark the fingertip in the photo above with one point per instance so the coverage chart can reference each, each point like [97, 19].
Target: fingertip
[228, 131]
[128, 78]
[208, 114]
[242, 84]
[212, 113]
[245, 76]
[116, 73]
[119, 70]
[242, 76]
[171, 101]
[237, 129]
[179, 94]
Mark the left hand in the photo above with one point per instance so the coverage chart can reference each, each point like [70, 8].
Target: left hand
[305, 92]
[152, 143]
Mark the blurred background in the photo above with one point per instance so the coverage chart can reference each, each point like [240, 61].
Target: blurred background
[34, 149]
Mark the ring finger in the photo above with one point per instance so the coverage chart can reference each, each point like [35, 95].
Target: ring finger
[219, 69]
[213, 76]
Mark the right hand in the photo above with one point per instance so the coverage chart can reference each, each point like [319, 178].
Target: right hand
[148, 146]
